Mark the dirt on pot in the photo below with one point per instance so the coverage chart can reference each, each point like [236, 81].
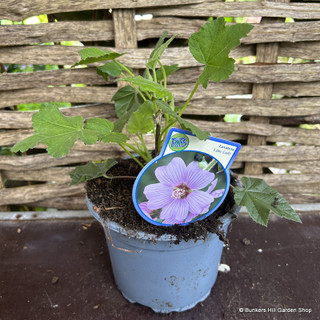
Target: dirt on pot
[113, 200]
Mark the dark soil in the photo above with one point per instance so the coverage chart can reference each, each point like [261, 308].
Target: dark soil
[117, 193]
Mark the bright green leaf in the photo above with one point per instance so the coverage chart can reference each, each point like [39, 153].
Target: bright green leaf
[91, 171]
[141, 121]
[91, 55]
[57, 131]
[115, 137]
[260, 199]
[94, 129]
[149, 86]
[110, 68]
[27, 143]
[211, 46]
[157, 53]
[202, 135]
[168, 70]
[124, 99]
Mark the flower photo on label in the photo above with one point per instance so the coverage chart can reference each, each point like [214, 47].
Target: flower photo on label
[184, 187]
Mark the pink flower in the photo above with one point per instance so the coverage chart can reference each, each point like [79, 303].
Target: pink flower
[178, 192]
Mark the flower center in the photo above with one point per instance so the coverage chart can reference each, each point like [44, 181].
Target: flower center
[180, 192]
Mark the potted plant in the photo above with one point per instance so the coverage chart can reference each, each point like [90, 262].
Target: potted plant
[168, 268]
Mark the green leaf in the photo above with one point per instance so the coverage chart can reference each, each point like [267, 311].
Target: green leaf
[114, 137]
[157, 52]
[91, 55]
[121, 122]
[259, 199]
[202, 135]
[94, 129]
[110, 68]
[91, 171]
[124, 99]
[168, 70]
[141, 121]
[27, 143]
[211, 46]
[149, 86]
[57, 131]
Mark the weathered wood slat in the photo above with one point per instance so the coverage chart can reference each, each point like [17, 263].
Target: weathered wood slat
[9, 138]
[297, 89]
[41, 161]
[57, 175]
[253, 107]
[76, 202]
[34, 193]
[262, 154]
[39, 79]
[67, 55]
[271, 132]
[104, 95]
[284, 179]
[300, 50]
[293, 107]
[56, 32]
[268, 32]
[312, 166]
[135, 58]
[19, 10]
[306, 72]
[241, 9]
[276, 154]
[257, 73]
[103, 30]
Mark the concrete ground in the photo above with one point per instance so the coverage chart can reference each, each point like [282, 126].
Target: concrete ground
[60, 269]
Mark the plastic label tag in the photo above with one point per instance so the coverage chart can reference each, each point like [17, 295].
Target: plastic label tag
[188, 180]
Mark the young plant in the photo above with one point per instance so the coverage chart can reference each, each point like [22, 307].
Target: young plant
[146, 105]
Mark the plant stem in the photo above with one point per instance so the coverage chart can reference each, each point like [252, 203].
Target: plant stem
[136, 151]
[190, 97]
[129, 153]
[140, 136]
[164, 75]
[211, 164]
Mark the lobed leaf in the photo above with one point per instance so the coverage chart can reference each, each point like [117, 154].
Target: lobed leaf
[94, 129]
[124, 99]
[142, 121]
[91, 171]
[211, 46]
[57, 131]
[260, 199]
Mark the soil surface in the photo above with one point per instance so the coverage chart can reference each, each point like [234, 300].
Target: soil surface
[117, 193]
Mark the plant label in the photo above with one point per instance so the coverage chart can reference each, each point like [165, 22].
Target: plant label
[188, 180]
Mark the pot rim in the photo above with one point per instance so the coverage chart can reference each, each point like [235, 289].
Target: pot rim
[114, 226]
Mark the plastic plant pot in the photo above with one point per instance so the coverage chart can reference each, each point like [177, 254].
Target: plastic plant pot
[157, 273]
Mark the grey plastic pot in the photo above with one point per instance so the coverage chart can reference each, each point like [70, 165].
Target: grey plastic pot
[159, 274]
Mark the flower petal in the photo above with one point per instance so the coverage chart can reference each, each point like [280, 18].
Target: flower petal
[172, 174]
[218, 193]
[198, 201]
[178, 209]
[212, 185]
[197, 178]
[159, 195]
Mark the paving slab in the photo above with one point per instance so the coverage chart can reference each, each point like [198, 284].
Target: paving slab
[60, 269]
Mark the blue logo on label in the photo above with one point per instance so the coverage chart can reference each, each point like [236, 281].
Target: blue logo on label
[178, 142]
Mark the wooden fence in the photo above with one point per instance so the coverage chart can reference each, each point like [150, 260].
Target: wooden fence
[277, 93]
